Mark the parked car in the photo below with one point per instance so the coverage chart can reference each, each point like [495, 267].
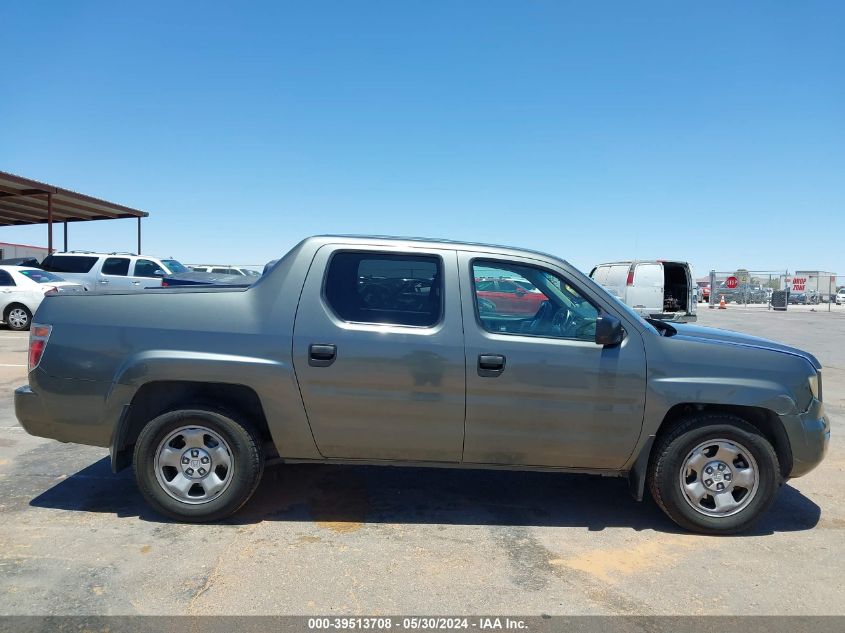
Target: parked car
[22, 290]
[803, 298]
[509, 296]
[654, 289]
[195, 278]
[113, 271]
[198, 387]
[704, 293]
[226, 270]
[29, 262]
[840, 296]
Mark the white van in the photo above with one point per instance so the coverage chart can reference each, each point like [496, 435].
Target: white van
[656, 289]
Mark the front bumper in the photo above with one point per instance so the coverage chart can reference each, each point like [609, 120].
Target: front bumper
[809, 437]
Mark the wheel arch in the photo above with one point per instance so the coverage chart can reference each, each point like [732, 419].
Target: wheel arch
[17, 304]
[157, 397]
[764, 420]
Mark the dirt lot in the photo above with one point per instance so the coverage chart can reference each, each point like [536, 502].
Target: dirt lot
[75, 539]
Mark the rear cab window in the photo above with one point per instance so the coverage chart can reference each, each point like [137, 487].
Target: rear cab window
[387, 289]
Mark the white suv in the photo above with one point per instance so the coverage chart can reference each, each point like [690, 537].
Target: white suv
[117, 271]
[225, 270]
[840, 296]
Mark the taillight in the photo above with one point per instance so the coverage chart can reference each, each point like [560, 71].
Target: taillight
[630, 281]
[38, 337]
[51, 292]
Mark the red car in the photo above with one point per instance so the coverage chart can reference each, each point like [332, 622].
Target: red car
[704, 293]
[507, 296]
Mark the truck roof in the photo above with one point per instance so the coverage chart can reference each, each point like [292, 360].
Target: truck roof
[386, 240]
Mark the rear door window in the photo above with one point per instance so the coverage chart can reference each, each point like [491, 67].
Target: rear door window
[116, 266]
[385, 288]
[69, 263]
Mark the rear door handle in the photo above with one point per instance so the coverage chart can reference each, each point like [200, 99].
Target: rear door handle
[321, 355]
[490, 365]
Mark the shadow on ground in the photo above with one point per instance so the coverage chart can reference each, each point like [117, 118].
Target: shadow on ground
[368, 494]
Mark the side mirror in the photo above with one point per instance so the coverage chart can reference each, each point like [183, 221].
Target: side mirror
[159, 273]
[520, 292]
[609, 330]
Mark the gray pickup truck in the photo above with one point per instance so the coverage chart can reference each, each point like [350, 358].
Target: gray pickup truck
[393, 351]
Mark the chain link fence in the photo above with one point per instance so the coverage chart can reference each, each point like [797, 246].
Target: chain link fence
[757, 288]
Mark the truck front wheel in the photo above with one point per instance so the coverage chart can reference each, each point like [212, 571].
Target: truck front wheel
[714, 474]
[197, 465]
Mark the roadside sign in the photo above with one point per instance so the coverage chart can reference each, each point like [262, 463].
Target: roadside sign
[731, 282]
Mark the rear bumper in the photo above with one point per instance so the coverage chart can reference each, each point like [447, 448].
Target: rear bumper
[809, 436]
[29, 409]
[66, 410]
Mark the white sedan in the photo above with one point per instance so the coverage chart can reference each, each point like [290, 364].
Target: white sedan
[22, 290]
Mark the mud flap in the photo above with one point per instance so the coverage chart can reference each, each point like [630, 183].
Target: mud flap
[637, 474]
[121, 456]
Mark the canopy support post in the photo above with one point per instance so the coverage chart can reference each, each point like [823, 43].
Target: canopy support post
[49, 223]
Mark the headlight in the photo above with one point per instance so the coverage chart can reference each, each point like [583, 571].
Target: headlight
[814, 385]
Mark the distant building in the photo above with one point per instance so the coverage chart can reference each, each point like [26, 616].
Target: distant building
[817, 282]
[13, 251]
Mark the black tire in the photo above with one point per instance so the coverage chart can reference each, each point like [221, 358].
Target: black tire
[669, 456]
[23, 321]
[247, 464]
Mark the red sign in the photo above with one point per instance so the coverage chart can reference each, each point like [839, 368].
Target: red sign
[731, 282]
[798, 284]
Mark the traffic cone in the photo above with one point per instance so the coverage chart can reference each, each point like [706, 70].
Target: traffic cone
[722, 305]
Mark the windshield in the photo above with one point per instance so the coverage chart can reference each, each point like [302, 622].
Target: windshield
[174, 266]
[40, 276]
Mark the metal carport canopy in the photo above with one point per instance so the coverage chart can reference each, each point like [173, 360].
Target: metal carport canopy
[25, 201]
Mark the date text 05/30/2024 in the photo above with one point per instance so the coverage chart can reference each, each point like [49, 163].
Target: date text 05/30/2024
[417, 623]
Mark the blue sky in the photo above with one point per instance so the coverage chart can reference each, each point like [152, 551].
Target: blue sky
[711, 132]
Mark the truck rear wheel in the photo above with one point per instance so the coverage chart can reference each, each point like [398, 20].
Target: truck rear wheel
[714, 474]
[197, 465]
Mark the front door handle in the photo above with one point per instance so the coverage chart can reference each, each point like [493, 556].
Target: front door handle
[490, 365]
[321, 355]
